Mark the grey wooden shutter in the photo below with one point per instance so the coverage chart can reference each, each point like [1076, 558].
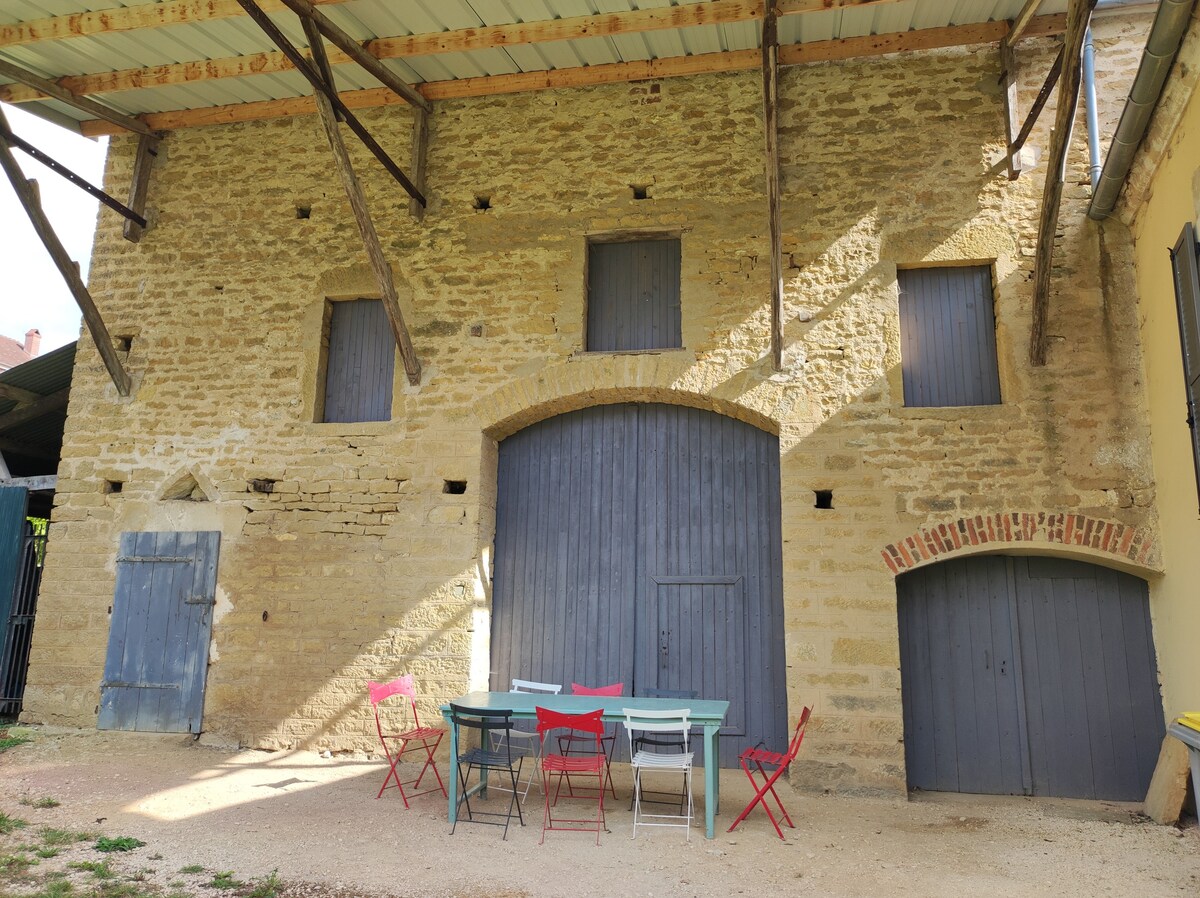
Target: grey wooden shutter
[633, 296]
[1187, 304]
[360, 364]
[948, 337]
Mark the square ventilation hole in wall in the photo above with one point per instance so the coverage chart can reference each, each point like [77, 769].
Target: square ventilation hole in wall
[113, 486]
[481, 202]
[123, 342]
[640, 191]
[824, 498]
[303, 212]
[262, 485]
[454, 487]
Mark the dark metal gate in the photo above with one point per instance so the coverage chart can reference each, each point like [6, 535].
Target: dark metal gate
[641, 543]
[1028, 675]
[14, 651]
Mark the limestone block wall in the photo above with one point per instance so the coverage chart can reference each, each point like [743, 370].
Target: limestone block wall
[358, 565]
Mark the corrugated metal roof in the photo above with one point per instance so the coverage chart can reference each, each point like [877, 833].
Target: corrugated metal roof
[224, 38]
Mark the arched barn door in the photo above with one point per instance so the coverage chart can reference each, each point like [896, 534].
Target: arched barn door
[641, 543]
[1028, 675]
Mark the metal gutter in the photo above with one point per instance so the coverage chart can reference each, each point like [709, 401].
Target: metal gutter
[1170, 24]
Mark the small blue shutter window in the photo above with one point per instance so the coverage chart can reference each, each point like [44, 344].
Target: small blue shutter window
[633, 296]
[948, 337]
[360, 363]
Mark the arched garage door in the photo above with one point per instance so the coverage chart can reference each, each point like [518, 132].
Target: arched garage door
[1030, 676]
[641, 543]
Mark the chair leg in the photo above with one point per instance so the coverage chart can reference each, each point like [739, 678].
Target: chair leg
[768, 785]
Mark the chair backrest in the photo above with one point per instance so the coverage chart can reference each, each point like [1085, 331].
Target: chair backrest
[402, 685]
[610, 690]
[486, 720]
[588, 722]
[535, 687]
[670, 693]
[670, 720]
[797, 737]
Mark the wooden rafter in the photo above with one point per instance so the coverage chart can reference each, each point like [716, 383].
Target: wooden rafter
[463, 40]
[1079, 13]
[25, 413]
[1021, 22]
[50, 89]
[8, 391]
[27, 194]
[347, 44]
[770, 76]
[667, 67]
[130, 18]
[366, 229]
[325, 89]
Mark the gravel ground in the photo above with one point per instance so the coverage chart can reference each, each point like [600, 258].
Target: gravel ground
[317, 823]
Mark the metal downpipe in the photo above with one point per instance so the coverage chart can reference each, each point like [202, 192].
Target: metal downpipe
[1170, 23]
[1093, 116]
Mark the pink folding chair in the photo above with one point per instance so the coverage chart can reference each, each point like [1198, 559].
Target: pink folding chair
[409, 738]
[586, 728]
[756, 761]
[574, 743]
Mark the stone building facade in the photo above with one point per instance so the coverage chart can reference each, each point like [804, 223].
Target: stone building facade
[357, 564]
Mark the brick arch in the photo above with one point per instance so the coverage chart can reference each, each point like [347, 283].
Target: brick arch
[607, 379]
[1120, 545]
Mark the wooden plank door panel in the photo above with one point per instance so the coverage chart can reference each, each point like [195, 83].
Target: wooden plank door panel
[157, 657]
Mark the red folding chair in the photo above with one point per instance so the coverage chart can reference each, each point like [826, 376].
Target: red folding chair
[572, 744]
[414, 738]
[587, 726]
[763, 778]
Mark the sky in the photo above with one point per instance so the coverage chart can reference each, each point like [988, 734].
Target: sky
[32, 292]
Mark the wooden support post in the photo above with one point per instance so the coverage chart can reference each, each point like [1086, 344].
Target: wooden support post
[770, 74]
[348, 45]
[319, 86]
[420, 149]
[370, 238]
[1079, 13]
[147, 152]
[28, 78]
[1039, 103]
[27, 194]
[316, 49]
[1008, 76]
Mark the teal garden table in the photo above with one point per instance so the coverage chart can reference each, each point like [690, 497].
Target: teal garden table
[706, 714]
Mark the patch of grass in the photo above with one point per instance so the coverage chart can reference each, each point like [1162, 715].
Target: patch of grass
[52, 836]
[8, 824]
[224, 880]
[55, 888]
[99, 869]
[16, 863]
[47, 852]
[267, 887]
[44, 802]
[118, 843]
[192, 868]
[7, 741]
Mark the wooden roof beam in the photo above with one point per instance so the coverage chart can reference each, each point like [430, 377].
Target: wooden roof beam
[347, 44]
[460, 41]
[1079, 13]
[44, 405]
[1021, 22]
[130, 18]
[27, 193]
[8, 391]
[50, 89]
[668, 67]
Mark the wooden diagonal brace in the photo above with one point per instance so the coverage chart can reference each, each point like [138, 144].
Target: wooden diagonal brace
[323, 90]
[1039, 103]
[1079, 13]
[770, 75]
[27, 194]
[366, 228]
[147, 152]
[26, 77]
[349, 46]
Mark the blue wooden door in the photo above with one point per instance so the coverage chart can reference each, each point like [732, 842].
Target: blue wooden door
[158, 641]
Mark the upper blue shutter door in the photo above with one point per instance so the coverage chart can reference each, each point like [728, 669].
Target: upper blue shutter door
[948, 337]
[361, 362]
[633, 296]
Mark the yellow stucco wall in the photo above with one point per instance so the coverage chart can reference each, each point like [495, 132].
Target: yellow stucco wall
[1170, 200]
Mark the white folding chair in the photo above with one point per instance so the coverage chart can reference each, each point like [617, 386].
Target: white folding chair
[674, 722]
[526, 743]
